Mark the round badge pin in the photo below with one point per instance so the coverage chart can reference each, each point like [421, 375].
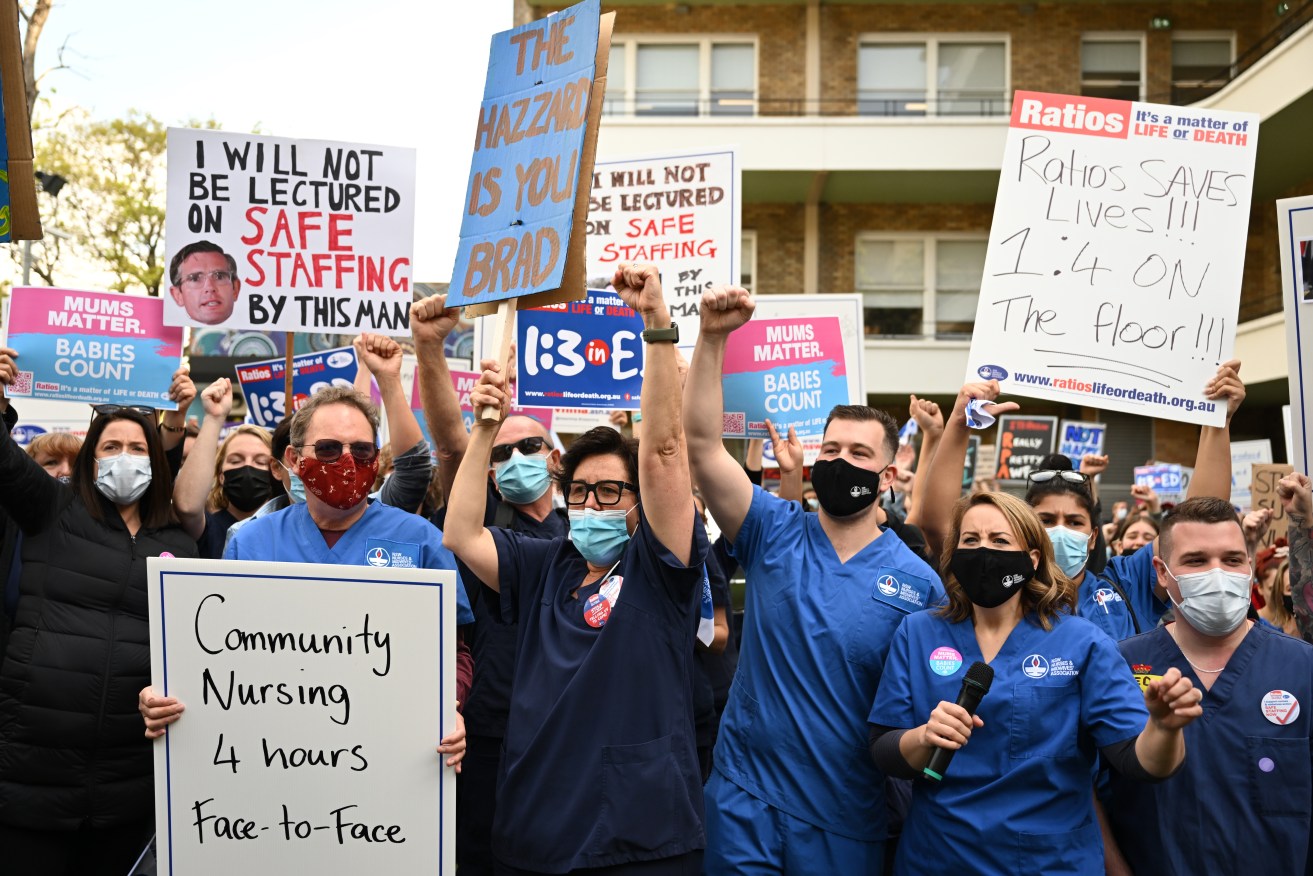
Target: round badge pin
[945, 660]
[610, 589]
[1280, 707]
[596, 611]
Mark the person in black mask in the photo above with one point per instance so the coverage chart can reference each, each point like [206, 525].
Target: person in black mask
[243, 481]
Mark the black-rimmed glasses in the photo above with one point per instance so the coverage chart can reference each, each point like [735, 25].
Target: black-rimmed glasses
[526, 446]
[329, 450]
[607, 492]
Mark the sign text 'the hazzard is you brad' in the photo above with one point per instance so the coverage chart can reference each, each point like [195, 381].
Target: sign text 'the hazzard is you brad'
[1113, 273]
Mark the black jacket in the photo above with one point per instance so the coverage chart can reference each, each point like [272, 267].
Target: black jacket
[72, 749]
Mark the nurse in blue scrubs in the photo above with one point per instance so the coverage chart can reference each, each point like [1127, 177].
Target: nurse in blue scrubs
[1016, 797]
[600, 772]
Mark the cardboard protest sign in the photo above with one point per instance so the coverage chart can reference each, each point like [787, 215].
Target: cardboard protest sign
[1244, 454]
[19, 219]
[264, 383]
[797, 358]
[680, 212]
[1295, 235]
[522, 226]
[463, 382]
[1114, 267]
[586, 352]
[317, 235]
[1263, 488]
[1076, 439]
[1022, 442]
[95, 347]
[315, 696]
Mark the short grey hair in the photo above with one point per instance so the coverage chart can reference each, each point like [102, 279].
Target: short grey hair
[331, 395]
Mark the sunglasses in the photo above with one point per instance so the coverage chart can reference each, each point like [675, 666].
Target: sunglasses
[328, 450]
[1071, 477]
[103, 409]
[526, 446]
[607, 492]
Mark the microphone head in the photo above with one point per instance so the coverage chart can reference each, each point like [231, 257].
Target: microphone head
[981, 675]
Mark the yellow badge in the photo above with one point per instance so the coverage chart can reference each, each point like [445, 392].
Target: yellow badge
[1145, 679]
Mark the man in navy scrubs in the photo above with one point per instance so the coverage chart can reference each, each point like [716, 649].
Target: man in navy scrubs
[792, 790]
[1241, 802]
[520, 499]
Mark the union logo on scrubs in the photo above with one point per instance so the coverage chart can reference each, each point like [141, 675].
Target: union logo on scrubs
[1035, 666]
[377, 557]
[888, 585]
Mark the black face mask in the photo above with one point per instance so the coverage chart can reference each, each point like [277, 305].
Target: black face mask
[248, 487]
[1126, 552]
[842, 488]
[1289, 603]
[988, 576]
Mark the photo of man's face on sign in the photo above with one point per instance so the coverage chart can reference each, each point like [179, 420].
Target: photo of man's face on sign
[203, 281]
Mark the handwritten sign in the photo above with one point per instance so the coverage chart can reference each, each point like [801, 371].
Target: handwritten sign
[315, 696]
[1022, 442]
[1076, 439]
[289, 235]
[1244, 454]
[1295, 237]
[522, 227]
[1114, 267]
[264, 383]
[96, 347]
[1263, 488]
[680, 212]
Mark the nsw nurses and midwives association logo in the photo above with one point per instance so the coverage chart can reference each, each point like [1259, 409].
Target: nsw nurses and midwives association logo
[888, 585]
[377, 556]
[1035, 666]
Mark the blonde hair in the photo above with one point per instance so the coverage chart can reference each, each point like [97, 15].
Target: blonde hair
[217, 500]
[1044, 596]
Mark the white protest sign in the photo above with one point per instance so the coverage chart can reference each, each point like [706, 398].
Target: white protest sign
[321, 234]
[1295, 234]
[680, 212]
[1244, 454]
[1115, 258]
[1077, 439]
[315, 698]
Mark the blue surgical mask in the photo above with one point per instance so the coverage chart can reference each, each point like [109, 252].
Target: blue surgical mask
[296, 489]
[600, 536]
[1071, 549]
[123, 479]
[523, 479]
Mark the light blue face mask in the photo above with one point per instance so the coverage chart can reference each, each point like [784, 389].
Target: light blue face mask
[1071, 549]
[523, 479]
[296, 490]
[600, 536]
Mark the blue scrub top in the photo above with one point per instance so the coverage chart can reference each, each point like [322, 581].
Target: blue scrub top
[1018, 797]
[1099, 602]
[1136, 576]
[1241, 802]
[815, 633]
[599, 765]
[383, 536]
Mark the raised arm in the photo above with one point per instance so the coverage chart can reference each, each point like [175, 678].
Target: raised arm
[467, 502]
[664, 485]
[1212, 465]
[173, 425]
[431, 320]
[723, 482]
[382, 356]
[197, 474]
[930, 423]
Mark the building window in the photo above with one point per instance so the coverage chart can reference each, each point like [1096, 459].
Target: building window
[918, 286]
[932, 76]
[1112, 67]
[1201, 65]
[748, 260]
[681, 76]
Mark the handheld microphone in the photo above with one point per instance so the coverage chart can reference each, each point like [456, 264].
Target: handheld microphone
[974, 687]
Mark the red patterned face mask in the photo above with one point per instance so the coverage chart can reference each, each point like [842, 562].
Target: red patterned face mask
[342, 484]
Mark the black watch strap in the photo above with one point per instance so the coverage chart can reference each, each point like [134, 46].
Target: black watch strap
[662, 335]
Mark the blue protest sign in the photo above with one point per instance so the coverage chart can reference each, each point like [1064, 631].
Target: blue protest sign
[533, 160]
[264, 383]
[581, 354]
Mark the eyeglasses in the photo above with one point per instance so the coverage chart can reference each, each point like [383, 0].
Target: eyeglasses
[1071, 477]
[327, 450]
[526, 446]
[607, 492]
[220, 278]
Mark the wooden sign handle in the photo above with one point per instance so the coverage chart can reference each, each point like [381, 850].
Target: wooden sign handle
[503, 335]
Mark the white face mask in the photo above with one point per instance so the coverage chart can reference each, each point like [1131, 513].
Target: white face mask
[123, 479]
[1214, 601]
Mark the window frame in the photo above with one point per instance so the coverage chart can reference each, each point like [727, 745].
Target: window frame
[1201, 36]
[1112, 36]
[704, 41]
[929, 277]
[933, 40]
[748, 266]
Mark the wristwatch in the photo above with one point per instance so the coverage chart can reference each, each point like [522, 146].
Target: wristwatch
[662, 335]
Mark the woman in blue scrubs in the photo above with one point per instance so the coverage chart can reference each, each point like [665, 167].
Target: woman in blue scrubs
[1016, 797]
[600, 771]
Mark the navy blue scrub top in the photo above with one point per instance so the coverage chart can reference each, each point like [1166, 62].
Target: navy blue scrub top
[600, 763]
[1241, 802]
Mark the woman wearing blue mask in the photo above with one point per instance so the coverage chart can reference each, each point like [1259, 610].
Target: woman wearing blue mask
[600, 770]
[76, 787]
